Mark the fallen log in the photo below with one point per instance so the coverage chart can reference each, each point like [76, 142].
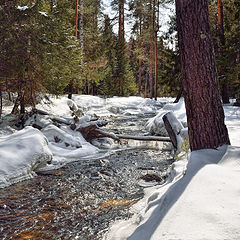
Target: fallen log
[145, 138]
[40, 112]
[60, 120]
[90, 130]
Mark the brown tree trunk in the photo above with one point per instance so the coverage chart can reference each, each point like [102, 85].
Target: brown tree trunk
[220, 22]
[81, 26]
[76, 19]
[140, 64]
[146, 86]
[179, 95]
[1, 104]
[121, 33]
[76, 34]
[204, 109]
[155, 30]
[225, 96]
[155, 65]
[151, 71]
[139, 76]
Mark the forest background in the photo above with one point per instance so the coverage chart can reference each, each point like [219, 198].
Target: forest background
[67, 47]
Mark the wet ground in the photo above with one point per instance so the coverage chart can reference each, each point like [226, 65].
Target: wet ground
[80, 200]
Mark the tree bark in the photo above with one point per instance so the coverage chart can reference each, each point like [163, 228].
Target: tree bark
[139, 76]
[1, 104]
[151, 71]
[220, 22]
[155, 30]
[140, 65]
[155, 64]
[121, 33]
[179, 95]
[199, 76]
[76, 18]
[225, 95]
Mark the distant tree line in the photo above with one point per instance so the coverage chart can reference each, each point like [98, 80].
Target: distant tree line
[66, 46]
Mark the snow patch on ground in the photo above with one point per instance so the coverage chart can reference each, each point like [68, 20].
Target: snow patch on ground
[21, 154]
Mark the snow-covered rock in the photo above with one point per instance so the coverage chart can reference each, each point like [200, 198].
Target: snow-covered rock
[21, 154]
[55, 134]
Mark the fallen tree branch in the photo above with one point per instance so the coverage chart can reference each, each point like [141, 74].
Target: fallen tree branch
[60, 120]
[145, 138]
[109, 135]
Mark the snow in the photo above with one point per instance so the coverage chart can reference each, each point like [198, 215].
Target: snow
[22, 153]
[201, 198]
[23, 8]
[156, 124]
[43, 13]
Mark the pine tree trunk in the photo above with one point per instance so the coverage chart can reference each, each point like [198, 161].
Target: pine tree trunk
[76, 18]
[204, 109]
[81, 27]
[1, 104]
[155, 65]
[76, 34]
[151, 71]
[220, 22]
[179, 95]
[146, 86]
[140, 64]
[139, 76]
[121, 33]
[121, 45]
[155, 32]
[22, 104]
[225, 96]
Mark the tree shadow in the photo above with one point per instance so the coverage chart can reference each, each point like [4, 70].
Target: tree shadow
[162, 205]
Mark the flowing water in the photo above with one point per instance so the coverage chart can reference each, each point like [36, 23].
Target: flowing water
[81, 199]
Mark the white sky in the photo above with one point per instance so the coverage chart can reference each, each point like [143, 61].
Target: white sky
[164, 17]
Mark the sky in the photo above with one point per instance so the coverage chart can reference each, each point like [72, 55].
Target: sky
[165, 14]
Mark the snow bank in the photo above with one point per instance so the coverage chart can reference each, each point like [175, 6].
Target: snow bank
[119, 105]
[201, 198]
[203, 204]
[21, 154]
[156, 125]
[67, 145]
[232, 120]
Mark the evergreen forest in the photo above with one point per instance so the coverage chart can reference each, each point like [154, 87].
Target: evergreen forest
[67, 47]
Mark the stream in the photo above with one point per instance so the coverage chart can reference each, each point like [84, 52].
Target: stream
[81, 199]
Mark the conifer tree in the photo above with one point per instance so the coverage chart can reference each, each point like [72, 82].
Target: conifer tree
[205, 114]
[43, 55]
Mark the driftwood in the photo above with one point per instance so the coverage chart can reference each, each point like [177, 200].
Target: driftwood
[173, 127]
